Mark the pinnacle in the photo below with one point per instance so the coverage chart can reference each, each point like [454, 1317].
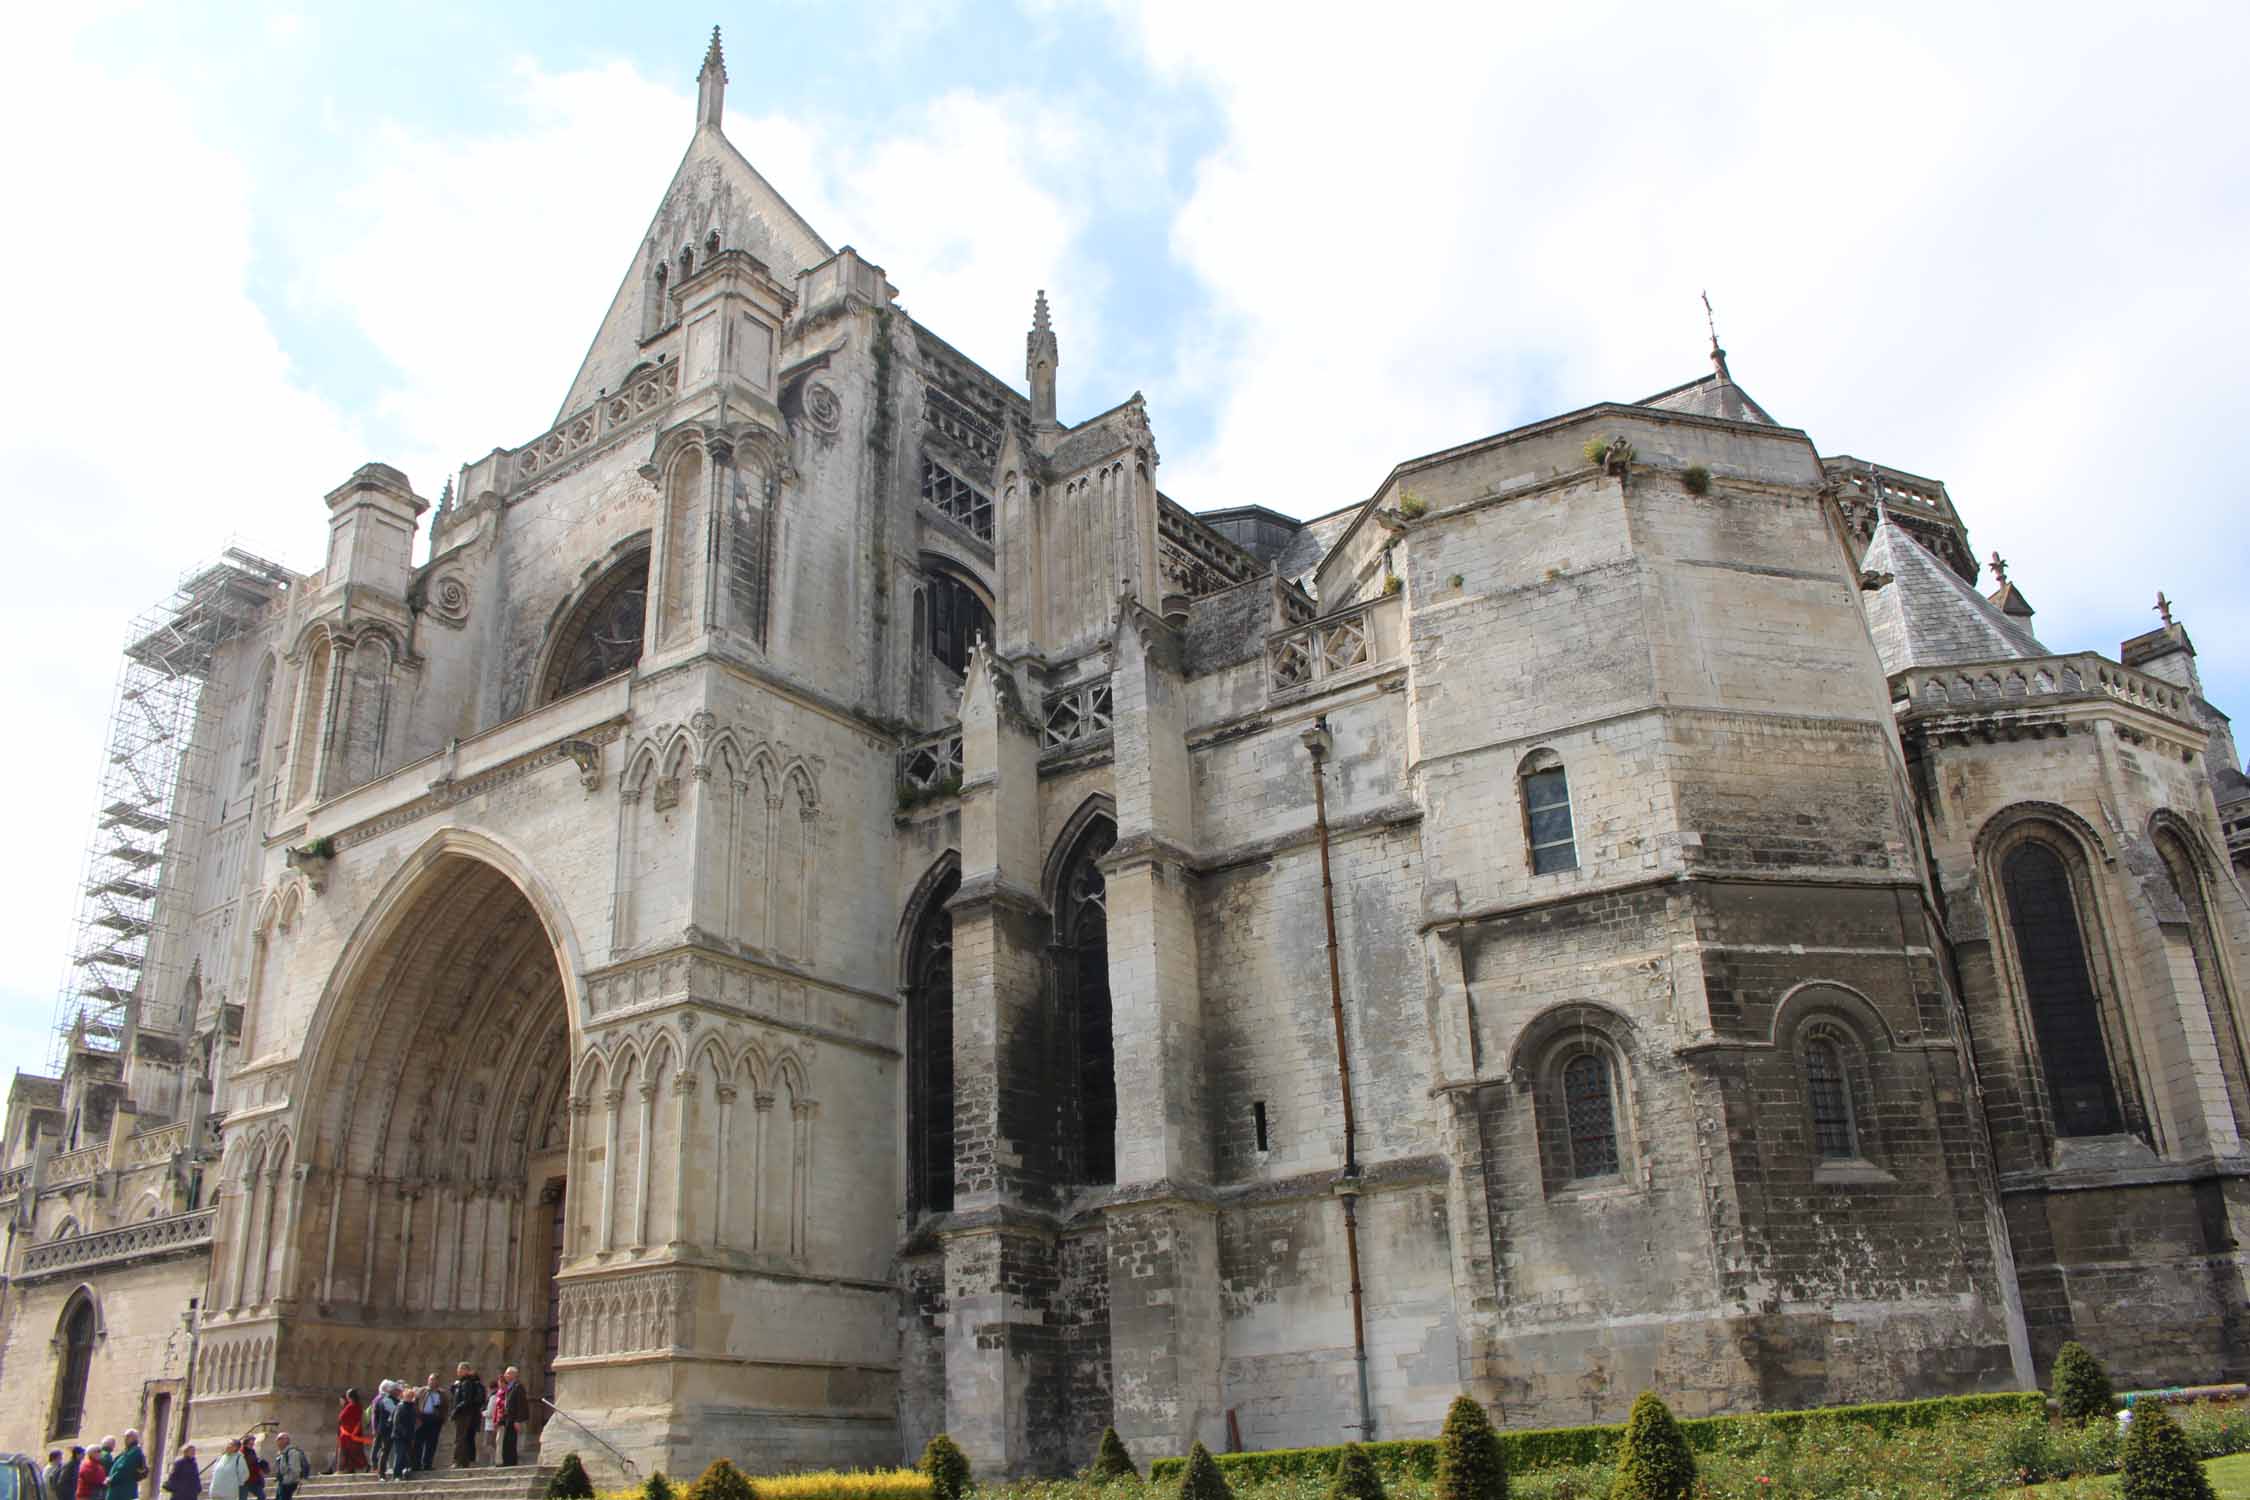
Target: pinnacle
[715, 58]
[1039, 320]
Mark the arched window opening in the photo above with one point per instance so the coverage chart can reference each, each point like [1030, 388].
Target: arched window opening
[929, 1055]
[2066, 1019]
[1546, 816]
[1082, 963]
[958, 620]
[254, 726]
[77, 1360]
[2186, 872]
[1828, 1091]
[1590, 1112]
[602, 636]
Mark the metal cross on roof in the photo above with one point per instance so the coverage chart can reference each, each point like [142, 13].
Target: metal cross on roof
[1999, 568]
[2163, 607]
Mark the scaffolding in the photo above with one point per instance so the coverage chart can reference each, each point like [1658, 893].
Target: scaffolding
[138, 882]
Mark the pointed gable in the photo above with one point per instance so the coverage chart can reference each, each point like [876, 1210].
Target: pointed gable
[1928, 615]
[715, 188]
[1715, 395]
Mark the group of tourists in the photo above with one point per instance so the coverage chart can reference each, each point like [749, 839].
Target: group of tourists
[397, 1433]
[105, 1471]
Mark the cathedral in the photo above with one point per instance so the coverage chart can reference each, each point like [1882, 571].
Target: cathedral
[826, 907]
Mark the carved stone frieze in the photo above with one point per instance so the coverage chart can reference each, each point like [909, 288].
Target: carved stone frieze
[646, 1312]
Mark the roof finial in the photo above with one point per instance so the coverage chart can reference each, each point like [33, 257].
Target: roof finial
[711, 85]
[1718, 355]
[2163, 607]
[1999, 568]
[1041, 354]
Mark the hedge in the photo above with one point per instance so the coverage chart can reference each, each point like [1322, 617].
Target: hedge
[1552, 1447]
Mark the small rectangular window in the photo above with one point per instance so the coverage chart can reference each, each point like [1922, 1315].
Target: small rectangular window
[1258, 1118]
[1546, 802]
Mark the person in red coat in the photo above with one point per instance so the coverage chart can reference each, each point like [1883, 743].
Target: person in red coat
[93, 1474]
[352, 1437]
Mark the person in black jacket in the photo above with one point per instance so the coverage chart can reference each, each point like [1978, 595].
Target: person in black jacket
[467, 1400]
[406, 1419]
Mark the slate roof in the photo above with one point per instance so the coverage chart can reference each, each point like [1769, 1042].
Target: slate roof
[1715, 395]
[1928, 615]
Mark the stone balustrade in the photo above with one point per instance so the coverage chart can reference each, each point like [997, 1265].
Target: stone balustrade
[931, 766]
[1076, 716]
[1351, 642]
[1981, 686]
[149, 1237]
[76, 1166]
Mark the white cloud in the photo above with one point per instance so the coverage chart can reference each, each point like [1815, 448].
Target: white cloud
[152, 418]
[2009, 256]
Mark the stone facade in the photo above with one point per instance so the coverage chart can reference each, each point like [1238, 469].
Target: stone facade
[827, 908]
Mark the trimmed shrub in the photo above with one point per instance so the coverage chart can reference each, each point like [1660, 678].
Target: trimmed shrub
[1111, 1461]
[1356, 1478]
[722, 1481]
[1532, 1448]
[2158, 1464]
[570, 1481]
[2081, 1384]
[1470, 1464]
[948, 1468]
[1202, 1480]
[1655, 1463]
[657, 1488]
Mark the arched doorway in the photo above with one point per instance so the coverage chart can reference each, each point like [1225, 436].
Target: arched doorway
[437, 1120]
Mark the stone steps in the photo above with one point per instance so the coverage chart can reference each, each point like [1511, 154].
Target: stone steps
[524, 1482]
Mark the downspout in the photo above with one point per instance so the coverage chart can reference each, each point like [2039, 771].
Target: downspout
[1318, 743]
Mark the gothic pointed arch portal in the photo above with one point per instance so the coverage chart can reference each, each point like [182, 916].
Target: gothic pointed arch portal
[436, 1129]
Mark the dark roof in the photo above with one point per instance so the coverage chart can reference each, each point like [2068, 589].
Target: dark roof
[1928, 615]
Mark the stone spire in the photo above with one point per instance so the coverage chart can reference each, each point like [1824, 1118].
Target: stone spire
[1040, 356]
[711, 85]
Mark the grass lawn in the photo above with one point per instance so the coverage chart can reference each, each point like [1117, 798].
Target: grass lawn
[2230, 1478]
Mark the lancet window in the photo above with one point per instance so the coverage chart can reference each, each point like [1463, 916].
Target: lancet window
[2066, 1019]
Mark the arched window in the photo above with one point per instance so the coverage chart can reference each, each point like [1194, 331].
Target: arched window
[929, 1054]
[958, 620]
[2066, 1019]
[1590, 1112]
[1828, 1093]
[254, 727]
[2186, 872]
[601, 636]
[1548, 832]
[77, 1340]
[1082, 979]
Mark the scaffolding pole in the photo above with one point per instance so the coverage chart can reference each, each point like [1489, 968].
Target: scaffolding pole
[137, 887]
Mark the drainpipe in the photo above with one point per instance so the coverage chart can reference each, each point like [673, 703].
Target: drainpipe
[1319, 743]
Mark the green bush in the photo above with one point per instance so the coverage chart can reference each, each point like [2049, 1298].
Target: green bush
[1697, 479]
[657, 1488]
[1356, 1478]
[947, 1466]
[1654, 1463]
[1594, 450]
[2081, 1384]
[1111, 1461]
[1413, 506]
[2157, 1463]
[570, 1481]
[1471, 1464]
[1203, 1481]
[722, 1481]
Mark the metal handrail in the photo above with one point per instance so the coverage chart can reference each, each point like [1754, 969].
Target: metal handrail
[632, 1470]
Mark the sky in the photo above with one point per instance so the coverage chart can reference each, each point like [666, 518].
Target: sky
[256, 246]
